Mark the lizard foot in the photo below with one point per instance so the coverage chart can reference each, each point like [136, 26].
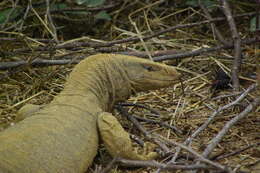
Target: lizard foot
[117, 141]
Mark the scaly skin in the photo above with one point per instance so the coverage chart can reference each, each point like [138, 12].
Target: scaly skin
[63, 136]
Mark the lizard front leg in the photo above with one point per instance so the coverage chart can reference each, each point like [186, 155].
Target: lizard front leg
[117, 141]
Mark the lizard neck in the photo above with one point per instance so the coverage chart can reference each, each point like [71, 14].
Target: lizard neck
[100, 86]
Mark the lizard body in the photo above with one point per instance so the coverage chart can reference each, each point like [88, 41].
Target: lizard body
[63, 136]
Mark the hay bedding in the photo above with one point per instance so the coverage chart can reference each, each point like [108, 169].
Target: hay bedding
[186, 107]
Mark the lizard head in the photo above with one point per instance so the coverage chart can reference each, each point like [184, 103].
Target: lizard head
[147, 75]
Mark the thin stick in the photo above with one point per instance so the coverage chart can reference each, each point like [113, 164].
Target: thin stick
[237, 44]
[220, 157]
[175, 129]
[154, 164]
[214, 142]
[134, 121]
[153, 111]
[142, 129]
[36, 62]
[41, 20]
[52, 26]
[228, 125]
[211, 118]
[132, 39]
[213, 26]
[203, 50]
[199, 156]
[45, 62]
[160, 123]
[109, 166]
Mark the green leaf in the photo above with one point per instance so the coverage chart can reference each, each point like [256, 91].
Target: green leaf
[253, 24]
[94, 3]
[58, 6]
[4, 14]
[90, 3]
[209, 3]
[195, 3]
[103, 15]
[80, 2]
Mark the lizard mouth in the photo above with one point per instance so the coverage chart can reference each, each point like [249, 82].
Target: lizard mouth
[164, 80]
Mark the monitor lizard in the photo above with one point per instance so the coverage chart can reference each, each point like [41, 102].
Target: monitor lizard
[63, 136]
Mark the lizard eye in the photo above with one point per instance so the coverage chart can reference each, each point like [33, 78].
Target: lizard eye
[150, 68]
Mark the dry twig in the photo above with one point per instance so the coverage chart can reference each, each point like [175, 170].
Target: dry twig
[52, 26]
[203, 50]
[219, 157]
[142, 129]
[175, 129]
[109, 166]
[210, 119]
[213, 143]
[41, 62]
[237, 44]
[131, 39]
[228, 125]
[154, 164]
[213, 26]
[200, 157]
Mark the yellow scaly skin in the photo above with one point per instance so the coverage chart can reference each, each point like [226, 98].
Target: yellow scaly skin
[63, 136]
